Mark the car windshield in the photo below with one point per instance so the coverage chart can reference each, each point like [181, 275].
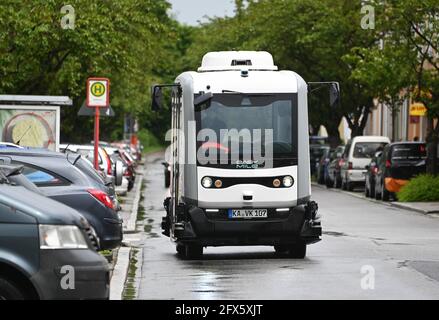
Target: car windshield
[249, 121]
[367, 149]
[409, 152]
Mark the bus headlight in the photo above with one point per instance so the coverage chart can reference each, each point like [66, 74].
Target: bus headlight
[206, 182]
[288, 181]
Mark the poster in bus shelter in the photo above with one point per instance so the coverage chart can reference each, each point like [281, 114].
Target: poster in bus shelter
[34, 127]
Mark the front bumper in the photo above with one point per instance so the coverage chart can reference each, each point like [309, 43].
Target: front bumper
[85, 272]
[296, 225]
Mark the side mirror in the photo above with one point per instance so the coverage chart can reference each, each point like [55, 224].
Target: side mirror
[118, 173]
[203, 99]
[334, 93]
[367, 167]
[378, 154]
[157, 97]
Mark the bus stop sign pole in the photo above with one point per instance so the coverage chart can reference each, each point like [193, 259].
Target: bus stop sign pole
[96, 139]
[98, 96]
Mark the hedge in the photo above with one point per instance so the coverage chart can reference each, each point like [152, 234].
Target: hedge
[421, 188]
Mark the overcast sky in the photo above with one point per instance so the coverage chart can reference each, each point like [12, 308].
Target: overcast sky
[192, 11]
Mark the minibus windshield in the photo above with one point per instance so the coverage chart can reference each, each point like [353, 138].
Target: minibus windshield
[252, 123]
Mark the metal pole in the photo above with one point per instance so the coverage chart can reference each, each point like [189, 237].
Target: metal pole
[96, 139]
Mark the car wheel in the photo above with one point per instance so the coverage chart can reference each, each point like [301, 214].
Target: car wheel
[167, 179]
[280, 248]
[385, 194]
[193, 252]
[181, 250]
[10, 291]
[343, 184]
[297, 251]
[377, 194]
[329, 183]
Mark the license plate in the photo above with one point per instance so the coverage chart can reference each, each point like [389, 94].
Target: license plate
[247, 213]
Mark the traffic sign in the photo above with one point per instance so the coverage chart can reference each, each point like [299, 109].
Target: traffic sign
[98, 93]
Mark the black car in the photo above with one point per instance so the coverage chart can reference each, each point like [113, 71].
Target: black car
[316, 153]
[333, 176]
[39, 238]
[323, 165]
[59, 177]
[372, 169]
[399, 162]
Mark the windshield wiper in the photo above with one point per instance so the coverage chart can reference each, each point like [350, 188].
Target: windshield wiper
[250, 94]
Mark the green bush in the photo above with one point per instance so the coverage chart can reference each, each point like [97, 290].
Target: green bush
[422, 188]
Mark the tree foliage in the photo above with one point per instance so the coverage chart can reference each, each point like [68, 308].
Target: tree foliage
[124, 40]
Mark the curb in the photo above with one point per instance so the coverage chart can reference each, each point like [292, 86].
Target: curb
[131, 226]
[120, 271]
[398, 205]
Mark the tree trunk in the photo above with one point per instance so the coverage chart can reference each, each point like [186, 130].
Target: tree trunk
[432, 147]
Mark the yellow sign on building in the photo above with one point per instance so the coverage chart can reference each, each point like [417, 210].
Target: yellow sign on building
[418, 109]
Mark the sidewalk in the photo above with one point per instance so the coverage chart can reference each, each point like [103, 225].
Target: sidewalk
[421, 207]
[130, 204]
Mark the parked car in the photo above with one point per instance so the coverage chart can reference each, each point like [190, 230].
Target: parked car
[371, 171]
[399, 162]
[316, 152]
[38, 237]
[357, 155]
[323, 165]
[87, 151]
[333, 176]
[59, 177]
[129, 172]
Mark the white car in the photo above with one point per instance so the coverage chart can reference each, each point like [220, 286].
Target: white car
[357, 155]
[87, 151]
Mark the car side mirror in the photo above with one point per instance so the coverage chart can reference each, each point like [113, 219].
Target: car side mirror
[157, 97]
[118, 173]
[334, 94]
[367, 167]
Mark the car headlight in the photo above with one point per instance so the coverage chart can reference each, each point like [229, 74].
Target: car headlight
[206, 182]
[288, 181]
[61, 237]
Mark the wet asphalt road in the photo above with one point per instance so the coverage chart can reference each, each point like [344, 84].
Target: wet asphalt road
[401, 246]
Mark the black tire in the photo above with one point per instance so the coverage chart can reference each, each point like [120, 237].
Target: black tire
[297, 251]
[167, 179]
[281, 248]
[329, 183]
[181, 250]
[193, 252]
[10, 291]
[377, 195]
[343, 185]
[385, 194]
